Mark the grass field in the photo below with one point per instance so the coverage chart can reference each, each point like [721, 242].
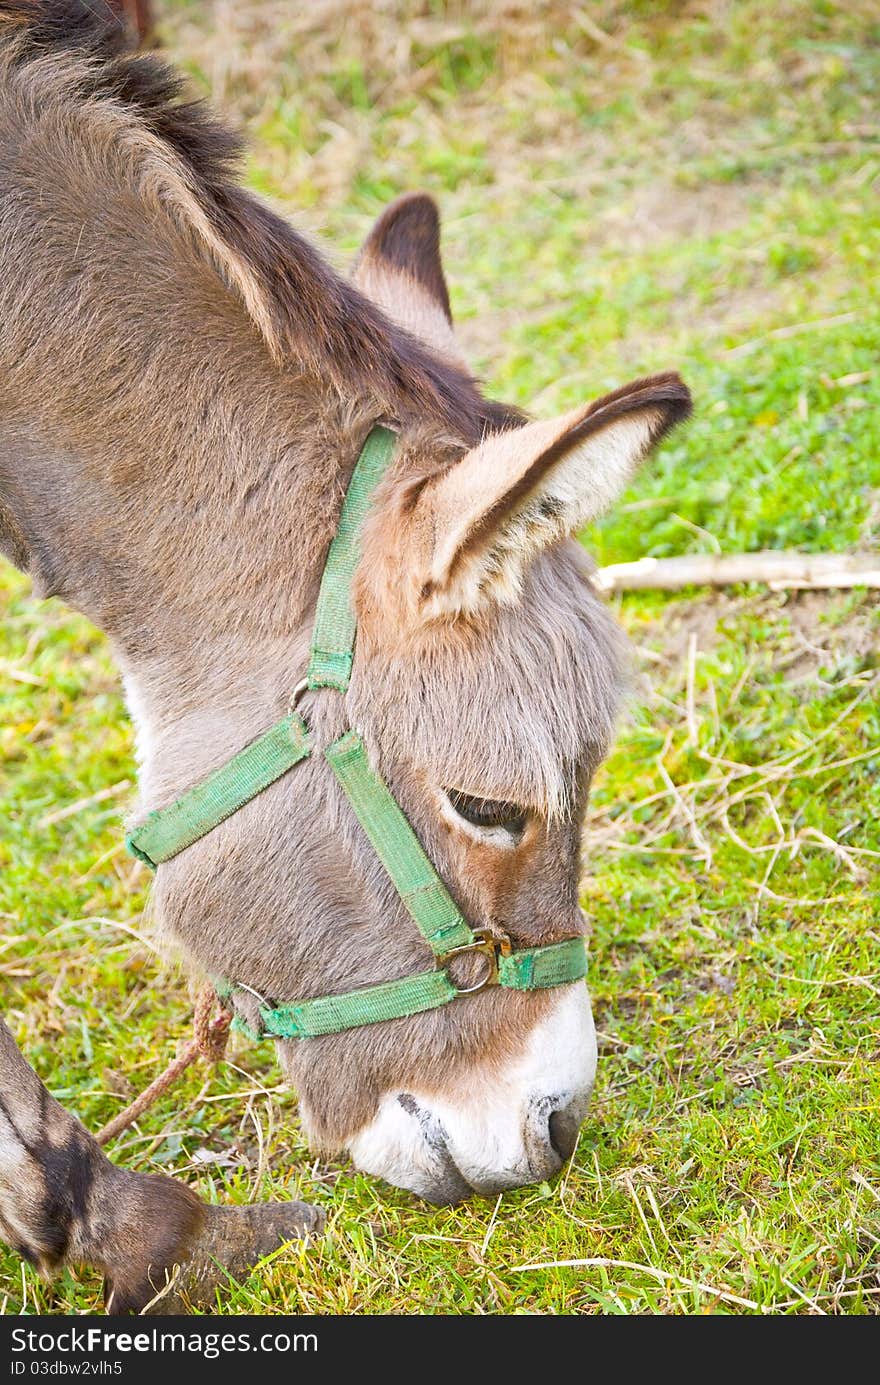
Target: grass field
[625, 187]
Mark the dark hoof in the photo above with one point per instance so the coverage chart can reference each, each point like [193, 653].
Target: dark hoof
[231, 1242]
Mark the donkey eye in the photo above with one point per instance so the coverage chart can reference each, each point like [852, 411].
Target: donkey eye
[488, 812]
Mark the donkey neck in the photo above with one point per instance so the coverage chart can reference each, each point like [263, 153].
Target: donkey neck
[194, 540]
[238, 571]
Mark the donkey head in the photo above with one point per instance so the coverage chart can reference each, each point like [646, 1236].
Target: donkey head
[487, 683]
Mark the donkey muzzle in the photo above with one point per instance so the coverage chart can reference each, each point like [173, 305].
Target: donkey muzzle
[494, 1131]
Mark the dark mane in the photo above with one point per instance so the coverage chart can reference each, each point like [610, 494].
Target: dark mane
[317, 316]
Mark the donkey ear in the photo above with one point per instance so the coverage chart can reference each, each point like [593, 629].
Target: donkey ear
[400, 269]
[524, 489]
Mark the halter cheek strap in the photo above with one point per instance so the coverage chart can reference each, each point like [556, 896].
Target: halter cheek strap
[170, 830]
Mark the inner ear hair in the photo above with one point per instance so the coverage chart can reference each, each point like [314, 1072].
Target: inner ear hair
[662, 400]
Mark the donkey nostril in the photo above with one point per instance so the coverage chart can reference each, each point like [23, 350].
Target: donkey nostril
[564, 1130]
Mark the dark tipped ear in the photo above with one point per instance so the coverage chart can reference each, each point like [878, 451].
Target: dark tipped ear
[406, 239]
[524, 489]
[400, 268]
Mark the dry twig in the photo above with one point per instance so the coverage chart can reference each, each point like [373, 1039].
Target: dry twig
[779, 571]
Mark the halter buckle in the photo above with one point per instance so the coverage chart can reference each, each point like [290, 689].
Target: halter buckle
[489, 946]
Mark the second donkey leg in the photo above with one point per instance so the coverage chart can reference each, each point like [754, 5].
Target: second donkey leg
[62, 1201]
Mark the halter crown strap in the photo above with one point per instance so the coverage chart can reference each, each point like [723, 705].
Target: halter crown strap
[170, 830]
[335, 626]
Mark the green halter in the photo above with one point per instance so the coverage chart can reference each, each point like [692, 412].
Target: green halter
[170, 830]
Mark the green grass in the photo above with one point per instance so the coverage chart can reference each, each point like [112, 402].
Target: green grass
[699, 191]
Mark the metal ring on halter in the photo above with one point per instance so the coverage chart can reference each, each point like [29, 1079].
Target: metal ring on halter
[489, 946]
[301, 687]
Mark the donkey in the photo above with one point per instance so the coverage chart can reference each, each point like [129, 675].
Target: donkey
[185, 387]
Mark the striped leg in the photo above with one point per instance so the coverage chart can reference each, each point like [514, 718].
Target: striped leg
[62, 1201]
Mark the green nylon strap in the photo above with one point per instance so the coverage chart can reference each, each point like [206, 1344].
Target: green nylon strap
[539, 968]
[335, 621]
[329, 1014]
[168, 830]
[396, 845]
[535, 968]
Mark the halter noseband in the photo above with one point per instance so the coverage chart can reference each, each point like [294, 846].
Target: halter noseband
[170, 830]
